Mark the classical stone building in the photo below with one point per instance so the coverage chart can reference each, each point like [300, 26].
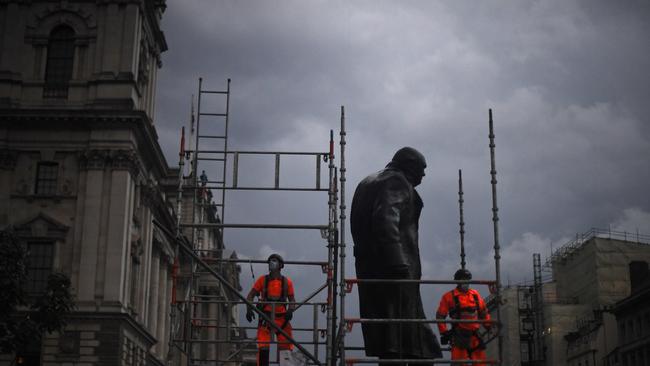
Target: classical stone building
[83, 179]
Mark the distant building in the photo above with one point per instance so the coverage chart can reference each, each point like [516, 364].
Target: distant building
[633, 320]
[84, 182]
[571, 319]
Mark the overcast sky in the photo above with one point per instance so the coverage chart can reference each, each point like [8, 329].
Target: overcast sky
[568, 82]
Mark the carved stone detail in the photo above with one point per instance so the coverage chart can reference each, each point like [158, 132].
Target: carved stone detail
[125, 160]
[115, 159]
[94, 159]
[76, 16]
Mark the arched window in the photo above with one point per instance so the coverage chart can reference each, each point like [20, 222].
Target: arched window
[60, 56]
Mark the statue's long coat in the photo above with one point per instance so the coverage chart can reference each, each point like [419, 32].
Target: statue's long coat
[384, 222]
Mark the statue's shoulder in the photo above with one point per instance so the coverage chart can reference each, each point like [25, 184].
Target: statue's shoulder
[393, 178]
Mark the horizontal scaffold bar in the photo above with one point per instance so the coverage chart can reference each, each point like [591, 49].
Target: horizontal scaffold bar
[217, 341]
[360, 348]
[382, 321]
[213, 92]
[310, 330]
[230, 188]
[188, 151]
[241, 302]
[429, 282]
[212, 136]
[418, 360]
[256, 226]
[213, 114]
[262, 261]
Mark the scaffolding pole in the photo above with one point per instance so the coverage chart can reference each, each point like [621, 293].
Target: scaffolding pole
[495, 221]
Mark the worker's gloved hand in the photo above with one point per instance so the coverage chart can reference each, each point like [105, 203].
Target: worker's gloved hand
[288, 315]
[250, 314]
[445, 337]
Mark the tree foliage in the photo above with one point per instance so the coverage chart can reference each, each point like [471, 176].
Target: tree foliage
[24, 319]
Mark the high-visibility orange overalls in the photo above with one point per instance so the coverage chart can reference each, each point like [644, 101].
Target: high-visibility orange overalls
[277, 289]
[465, 342]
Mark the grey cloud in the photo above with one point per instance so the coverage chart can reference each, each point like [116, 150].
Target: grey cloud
[568, 82]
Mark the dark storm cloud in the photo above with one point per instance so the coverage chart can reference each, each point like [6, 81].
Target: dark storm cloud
[568, 82]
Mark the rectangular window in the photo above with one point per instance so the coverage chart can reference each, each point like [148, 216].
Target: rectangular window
[47, 174]
[60, 60]
[39, 266]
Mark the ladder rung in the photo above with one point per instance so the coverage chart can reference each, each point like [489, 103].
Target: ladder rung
[209, 151]
[213, 114]
[214, 92]
[212, 137]
[203, 187]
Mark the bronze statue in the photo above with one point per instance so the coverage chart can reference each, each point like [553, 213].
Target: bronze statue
[384, 221]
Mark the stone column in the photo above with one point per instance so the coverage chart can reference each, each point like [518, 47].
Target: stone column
[147, 257]
[162, 306]
[167, 315]
[153, 294]
[119, 227]
[94, 162]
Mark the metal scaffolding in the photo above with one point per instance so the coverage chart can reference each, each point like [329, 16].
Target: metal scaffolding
[208, 261]
[209, 337]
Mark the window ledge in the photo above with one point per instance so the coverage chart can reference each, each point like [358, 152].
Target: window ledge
[43, 197]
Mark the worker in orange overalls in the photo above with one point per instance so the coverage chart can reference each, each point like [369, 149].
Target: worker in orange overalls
[463, 303]
[277, 289]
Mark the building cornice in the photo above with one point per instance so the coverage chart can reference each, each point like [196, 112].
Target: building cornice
[87, 119]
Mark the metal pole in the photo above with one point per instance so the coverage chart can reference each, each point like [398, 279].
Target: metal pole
[179, 192]
[495, 220]
[195, 181]
[179, 199]
[342, 238]
[330, 253]
[335, 261]
[461, 222]
[538, 308]
[225, 157]
[315, 333]
[329, 355]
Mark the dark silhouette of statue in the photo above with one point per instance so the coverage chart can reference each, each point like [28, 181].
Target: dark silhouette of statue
[384, 221]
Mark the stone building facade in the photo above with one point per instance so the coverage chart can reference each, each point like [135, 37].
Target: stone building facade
[633, 321]
[591, 279]
[83, 179]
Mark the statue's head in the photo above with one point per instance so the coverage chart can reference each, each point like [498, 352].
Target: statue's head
[411, 162]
